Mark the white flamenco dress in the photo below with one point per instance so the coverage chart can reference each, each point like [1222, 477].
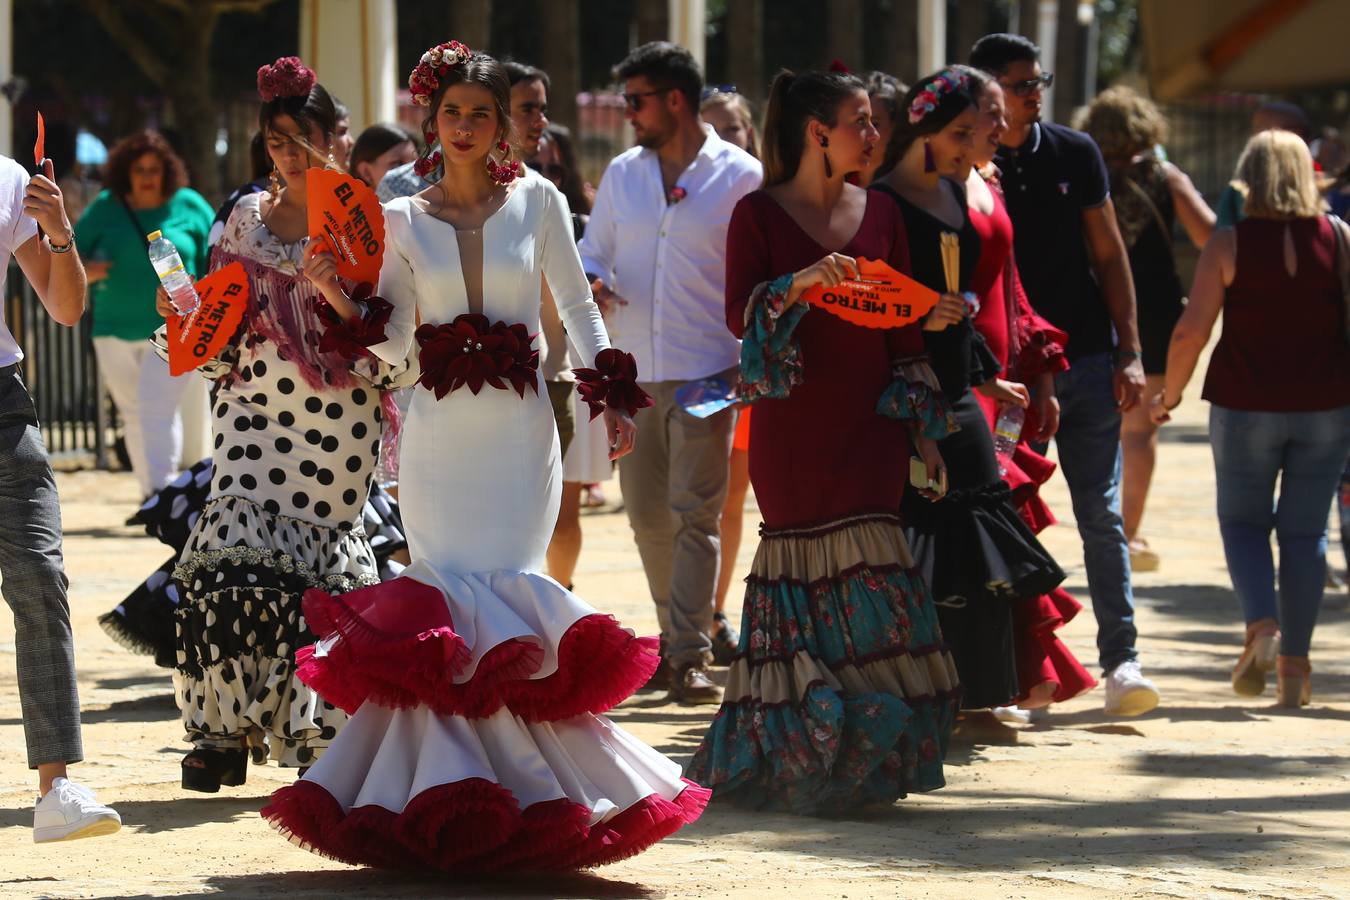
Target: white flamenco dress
[476, 683]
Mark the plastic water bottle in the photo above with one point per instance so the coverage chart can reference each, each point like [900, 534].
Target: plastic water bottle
[1008, 430]
[175, 279]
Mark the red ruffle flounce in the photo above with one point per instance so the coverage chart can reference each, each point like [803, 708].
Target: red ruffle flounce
[1024, 475]
[397, 647]
[460, 827]
[1042, 658]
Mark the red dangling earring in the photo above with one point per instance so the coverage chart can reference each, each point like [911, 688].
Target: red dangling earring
[929, 165]
[507, 171]
[427, 164]
[829, 170]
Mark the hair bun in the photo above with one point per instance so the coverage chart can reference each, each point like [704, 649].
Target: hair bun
[287, 77]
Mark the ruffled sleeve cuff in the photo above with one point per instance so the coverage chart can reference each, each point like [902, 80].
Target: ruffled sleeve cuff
[1042, 348]
[612, 383]
[771, 360]
[984, 365]
[914, 397]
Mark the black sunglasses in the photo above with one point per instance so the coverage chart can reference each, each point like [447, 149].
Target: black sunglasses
[1041, 83]
[634, 101]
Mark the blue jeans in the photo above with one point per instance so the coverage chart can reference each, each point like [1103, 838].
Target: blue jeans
[1089, 455]
[1306, 451]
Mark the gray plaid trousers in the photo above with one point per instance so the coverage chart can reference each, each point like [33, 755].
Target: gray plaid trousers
[33, 581]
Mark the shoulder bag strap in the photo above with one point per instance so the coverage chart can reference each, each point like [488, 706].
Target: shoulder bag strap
[136, 223]
[1157, 215]
[1342, 268]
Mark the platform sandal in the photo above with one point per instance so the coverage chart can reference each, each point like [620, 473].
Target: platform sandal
[205, 770]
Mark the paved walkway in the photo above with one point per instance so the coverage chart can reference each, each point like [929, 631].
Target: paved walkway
[1212, 795]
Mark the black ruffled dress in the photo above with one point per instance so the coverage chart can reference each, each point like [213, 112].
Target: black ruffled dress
[976, 553]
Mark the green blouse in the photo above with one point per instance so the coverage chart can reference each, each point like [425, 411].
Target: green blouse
[124, 302]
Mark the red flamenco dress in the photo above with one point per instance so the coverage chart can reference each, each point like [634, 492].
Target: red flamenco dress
[1028, 346]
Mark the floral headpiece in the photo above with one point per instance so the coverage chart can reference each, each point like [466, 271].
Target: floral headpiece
[287, 77]
[426, 75]
[943, 83]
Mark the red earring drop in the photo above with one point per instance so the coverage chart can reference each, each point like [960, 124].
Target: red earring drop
[505, 172]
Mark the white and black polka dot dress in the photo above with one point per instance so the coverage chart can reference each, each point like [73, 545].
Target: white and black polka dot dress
[292, 469]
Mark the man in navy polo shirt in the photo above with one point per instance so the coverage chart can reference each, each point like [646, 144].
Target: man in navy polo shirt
[1076, 273]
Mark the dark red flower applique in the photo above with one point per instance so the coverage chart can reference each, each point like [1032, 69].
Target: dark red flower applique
[613, 383]
[351, 338]
[469, 351]
[676, 194]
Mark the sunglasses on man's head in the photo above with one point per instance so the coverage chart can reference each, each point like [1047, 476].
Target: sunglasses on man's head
[713, 90]
[1040, 83]
[634, 101]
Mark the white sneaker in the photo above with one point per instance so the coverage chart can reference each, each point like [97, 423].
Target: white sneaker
[70, 811]
[1012, 715]
[1128, 692]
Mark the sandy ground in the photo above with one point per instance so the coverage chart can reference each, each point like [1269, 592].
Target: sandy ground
[1211, 795]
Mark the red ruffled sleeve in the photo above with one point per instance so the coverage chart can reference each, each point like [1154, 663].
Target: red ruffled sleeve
[1037, 347]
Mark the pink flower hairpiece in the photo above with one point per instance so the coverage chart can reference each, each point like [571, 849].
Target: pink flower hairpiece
[436, 62]
[287, 77]
[943, 83]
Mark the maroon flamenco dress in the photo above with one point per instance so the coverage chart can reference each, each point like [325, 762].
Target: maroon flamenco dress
[841, 693]
[1028, 346]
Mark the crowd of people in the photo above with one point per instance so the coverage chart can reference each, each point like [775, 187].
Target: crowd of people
[421, 657]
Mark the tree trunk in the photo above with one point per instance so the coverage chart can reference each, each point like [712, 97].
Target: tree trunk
[745, 48]
[904, 61]
[1069, 37]
[844, 33]
[972, 23]
[651, 20]
[561, 21]
[1028, 14]
[194, 106]
[182, 71]
[470, 22]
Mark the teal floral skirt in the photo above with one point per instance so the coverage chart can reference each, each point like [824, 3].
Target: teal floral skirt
[841, 694]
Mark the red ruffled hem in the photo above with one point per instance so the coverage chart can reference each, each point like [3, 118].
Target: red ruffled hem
[475, 826]
[392, 644]
[600, 664]
[1042, 658]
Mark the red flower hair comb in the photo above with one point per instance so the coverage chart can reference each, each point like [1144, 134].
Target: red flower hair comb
[287, 77]
[426, 75]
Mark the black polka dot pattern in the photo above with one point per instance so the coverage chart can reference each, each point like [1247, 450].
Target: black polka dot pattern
[285, 515]
[309, 450]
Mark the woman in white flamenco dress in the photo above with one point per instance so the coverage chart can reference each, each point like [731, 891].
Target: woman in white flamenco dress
[476, 684]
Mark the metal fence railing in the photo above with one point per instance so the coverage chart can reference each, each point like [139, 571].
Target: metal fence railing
[61, 374]
[1206, 136]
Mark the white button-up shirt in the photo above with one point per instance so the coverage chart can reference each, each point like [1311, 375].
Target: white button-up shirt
[16, 229]
[668, 260]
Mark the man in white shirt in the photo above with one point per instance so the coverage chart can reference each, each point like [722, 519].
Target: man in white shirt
[32, 575]
[656, 249]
